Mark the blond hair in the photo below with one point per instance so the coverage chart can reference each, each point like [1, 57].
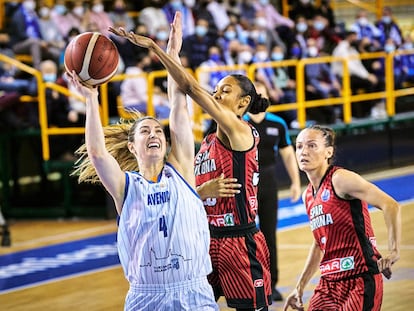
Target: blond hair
[117, 137]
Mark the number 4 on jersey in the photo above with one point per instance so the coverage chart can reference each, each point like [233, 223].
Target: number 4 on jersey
[163, 226]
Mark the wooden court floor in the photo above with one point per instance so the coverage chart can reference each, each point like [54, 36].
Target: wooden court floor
[106, 289]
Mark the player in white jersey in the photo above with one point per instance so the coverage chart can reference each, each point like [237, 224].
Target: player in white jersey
[163, 235]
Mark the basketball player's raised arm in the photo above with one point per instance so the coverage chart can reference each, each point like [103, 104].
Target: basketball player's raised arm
[107, 168]
[182, 139]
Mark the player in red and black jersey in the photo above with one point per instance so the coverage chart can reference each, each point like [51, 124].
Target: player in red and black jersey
[344, 247]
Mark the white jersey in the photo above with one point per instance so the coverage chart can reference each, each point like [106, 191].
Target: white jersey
[163, 234]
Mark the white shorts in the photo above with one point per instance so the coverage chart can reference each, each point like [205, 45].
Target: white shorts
[188, 295]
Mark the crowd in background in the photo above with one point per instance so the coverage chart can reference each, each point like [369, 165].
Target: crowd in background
[225, 32]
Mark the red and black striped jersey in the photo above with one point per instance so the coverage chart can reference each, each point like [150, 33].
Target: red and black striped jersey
[213, 159]
[343, 231]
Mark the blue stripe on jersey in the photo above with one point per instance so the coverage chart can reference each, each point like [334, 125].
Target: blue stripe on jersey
[182, 178]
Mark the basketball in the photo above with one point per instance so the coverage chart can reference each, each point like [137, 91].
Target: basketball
[93, 56]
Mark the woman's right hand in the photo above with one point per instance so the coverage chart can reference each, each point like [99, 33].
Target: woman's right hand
[294, 300]
[139, 40]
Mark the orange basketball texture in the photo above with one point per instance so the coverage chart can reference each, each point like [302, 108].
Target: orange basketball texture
[93, 56]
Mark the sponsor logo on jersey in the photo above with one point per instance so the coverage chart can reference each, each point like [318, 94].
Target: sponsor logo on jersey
[158, 198]
[255, 179]
[258, 283]
[253, 203]
[318, 218]
[337, 265]
[224, 220]
[325, 195]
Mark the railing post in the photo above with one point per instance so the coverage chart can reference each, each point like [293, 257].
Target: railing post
[300, 93]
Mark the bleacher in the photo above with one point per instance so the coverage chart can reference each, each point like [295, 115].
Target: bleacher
[63, 197]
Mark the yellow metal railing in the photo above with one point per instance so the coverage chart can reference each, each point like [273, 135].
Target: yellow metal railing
[345, 99]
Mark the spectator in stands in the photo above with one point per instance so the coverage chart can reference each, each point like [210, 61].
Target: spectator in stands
[366, 29]
[9, 74]
[304, 8]
[245, 54]
[389, 28]
[260, 33]
[275, 21]
[196, 46]
[78, 17]
[407, 60]
[218, 11]
[247, 13]
[134, 90]
[209, 79]
[301, 35]
[286, 86]
[24, 32]
[390, 48]
[153, 17]
[98, 16]
[63, 18]
[321, 83]
[119, 14]
[325, 9]
[326, 38]
[266, 75]
[186, 12]
[59, 113]
[50, 33]
[12, 112]
[200, 11]
[360, 77]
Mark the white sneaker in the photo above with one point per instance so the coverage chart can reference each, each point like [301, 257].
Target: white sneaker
[378, 111]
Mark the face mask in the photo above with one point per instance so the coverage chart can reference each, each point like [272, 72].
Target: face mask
[215, 57]
[261, 56]
[295, 51]
[389, 48]
[230, 35]
[264, 2]
[189, 3]
[363, 21]
[79, 10]
[313, 51]
[44, 12]
[245, 57]
[176, 4]
[301, 27]
[277, 56]
[386, 19]
[60, 9]
[304, 1]
[98, 8]
[162, 35]
[29, 6]
[49, 77]
[319, 25]
[261, 22]
[408, 45]
[201, 31]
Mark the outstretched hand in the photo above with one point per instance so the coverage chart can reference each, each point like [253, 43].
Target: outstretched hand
[176, 34]
[139, 40]
[219, 187]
